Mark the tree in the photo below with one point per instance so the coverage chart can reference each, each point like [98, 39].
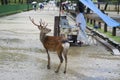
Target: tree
[4, 2]
[14, 1]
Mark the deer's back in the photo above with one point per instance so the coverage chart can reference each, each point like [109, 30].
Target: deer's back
[53, 43]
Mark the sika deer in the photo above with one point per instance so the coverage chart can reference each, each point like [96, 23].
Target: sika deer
[52, 43]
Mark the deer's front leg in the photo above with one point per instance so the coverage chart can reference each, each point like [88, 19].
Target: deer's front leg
[48, 66]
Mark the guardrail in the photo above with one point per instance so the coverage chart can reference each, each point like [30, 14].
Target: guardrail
[106, 39]
[95, 19]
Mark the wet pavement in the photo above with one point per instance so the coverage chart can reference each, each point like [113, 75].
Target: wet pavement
[22, 56]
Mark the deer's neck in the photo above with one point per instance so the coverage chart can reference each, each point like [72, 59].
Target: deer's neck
[42, 37]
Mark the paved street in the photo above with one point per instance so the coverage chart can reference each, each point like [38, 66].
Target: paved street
[22, 56]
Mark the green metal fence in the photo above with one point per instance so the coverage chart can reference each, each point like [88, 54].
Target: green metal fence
[11, 9]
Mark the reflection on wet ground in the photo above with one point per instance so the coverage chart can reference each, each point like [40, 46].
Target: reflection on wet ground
[22, 56]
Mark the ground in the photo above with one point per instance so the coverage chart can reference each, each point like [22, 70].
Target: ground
[22, 56]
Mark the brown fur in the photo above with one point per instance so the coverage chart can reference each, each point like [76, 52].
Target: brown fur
[52, 43]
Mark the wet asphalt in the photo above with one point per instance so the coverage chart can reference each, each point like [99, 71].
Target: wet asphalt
[22, 56]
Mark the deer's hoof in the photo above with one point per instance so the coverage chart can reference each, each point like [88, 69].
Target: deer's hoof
[64, 72]
[56, 71]
[48, 67]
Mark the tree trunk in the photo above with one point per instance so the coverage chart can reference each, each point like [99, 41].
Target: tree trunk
[118, 7]
[21, 1]
[2, 2]
[14, 1]
[6, 2]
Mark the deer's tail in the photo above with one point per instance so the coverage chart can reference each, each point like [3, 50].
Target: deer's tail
[66, 45]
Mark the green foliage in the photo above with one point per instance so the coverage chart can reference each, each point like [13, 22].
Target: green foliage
[108, 33]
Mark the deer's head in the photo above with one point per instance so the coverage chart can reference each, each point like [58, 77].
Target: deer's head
[42, 26]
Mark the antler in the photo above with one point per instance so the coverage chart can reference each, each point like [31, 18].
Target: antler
[42, 24]
[32, 20]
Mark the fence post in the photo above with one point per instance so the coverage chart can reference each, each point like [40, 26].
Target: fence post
[105, 27]
[114, 31]
[99, 24]
[90, 21]
[94, 22]
[56, 26]
[87, 20]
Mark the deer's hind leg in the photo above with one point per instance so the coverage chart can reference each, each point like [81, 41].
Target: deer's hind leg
[65, 56]
[61, 59]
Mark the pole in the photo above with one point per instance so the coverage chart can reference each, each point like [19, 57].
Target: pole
[60, 5]
[118, 6]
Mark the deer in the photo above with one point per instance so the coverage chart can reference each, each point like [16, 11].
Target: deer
[56, 44]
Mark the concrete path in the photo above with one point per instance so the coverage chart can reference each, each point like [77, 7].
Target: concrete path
[22, 56]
